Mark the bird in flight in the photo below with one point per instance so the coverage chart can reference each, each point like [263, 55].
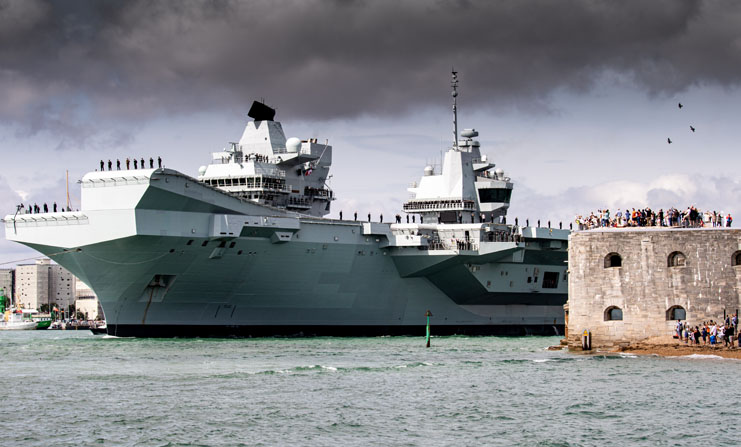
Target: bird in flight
[692, 128]
[669, 140]
[680, 105]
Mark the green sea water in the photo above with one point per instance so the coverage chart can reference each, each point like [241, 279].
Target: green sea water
[74, 388]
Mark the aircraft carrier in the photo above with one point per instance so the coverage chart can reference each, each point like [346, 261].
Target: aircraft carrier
[244, 249]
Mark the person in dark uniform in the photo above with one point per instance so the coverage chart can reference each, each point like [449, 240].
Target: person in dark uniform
[340, 215]
[46, 208]
[151, 163]
[159, 161]
[118, 164]
[54, 207]
[102, 165]
[407, 218]
[136, 166]
[110, 165]
[356, 216]
[143, 165]
[127, 163]
[368, 217]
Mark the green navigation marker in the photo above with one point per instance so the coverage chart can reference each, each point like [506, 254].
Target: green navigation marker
[428, 315]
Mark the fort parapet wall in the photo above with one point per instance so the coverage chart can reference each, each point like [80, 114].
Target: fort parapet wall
[631, 285]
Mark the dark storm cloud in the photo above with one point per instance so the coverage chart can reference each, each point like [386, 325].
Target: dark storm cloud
[73, 64]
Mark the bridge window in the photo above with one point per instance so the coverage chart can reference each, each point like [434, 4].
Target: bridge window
[613, 260]
[494, 195]
[613, 313]
[676, 313]
[736, 258]
[550, 280]
[677, 259]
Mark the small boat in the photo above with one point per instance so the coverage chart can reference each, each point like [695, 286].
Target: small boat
[13, 320]
[42, 324]
[99, 329]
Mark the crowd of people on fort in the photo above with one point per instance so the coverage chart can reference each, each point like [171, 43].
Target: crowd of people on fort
[138, 164]
[709, 332]
[690, 217]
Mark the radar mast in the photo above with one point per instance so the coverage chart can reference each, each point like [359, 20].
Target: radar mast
[454, 84]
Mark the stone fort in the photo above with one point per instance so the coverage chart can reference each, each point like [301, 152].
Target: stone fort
[632, 285]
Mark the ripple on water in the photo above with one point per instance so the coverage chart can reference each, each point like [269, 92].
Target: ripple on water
[378, 391]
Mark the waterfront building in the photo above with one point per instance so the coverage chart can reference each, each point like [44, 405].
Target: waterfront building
[32, 284]
[7, 281]
[86, 301]
[44, 283]
[632, 285]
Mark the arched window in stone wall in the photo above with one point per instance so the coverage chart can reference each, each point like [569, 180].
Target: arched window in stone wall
[676, 313]
[613, 313]
[613, 260]
[677, 259]
[736, 258]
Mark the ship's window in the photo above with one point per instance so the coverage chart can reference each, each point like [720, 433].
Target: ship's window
[494, 195]
[613, 313]
[529, 279]
[239, 252]
[736, 258]
[613, 260]
[676, 313]
[221, 182]
[550, 280]
[222, 244]
[172, 250]
[232, 244]
[190, 242]
[677, 259]
[242, 181]
[204, 243]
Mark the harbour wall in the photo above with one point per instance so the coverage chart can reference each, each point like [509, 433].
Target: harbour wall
[631, 285]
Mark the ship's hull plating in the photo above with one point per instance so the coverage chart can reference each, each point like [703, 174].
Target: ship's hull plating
[180, 272]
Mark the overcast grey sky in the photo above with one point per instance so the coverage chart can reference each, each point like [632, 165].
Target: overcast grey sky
[573, 99]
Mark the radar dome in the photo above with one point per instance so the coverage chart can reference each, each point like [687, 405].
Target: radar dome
[499, 172]
[293, 145]
[202, 170]
[469, 133]
[429, 170]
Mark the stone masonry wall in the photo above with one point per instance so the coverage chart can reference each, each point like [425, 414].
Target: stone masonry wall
[645, 287]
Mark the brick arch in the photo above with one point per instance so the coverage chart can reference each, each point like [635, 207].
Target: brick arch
[736, 258]
[613, 259]
[676, 313]
[676, 259]
[613, 313]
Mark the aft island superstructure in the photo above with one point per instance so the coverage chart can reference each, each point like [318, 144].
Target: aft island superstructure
[244, 249]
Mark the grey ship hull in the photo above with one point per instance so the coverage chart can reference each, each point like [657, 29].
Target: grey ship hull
[177, 258]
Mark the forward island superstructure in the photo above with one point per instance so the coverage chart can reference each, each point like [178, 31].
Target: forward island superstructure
[244, 249]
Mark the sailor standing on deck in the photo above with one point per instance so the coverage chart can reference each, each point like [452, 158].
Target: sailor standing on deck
[136, 165]
[151, 162]
[127, 163]
[159, 161]
[102, 165]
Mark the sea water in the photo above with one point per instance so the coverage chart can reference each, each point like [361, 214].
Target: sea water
[65, 388]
